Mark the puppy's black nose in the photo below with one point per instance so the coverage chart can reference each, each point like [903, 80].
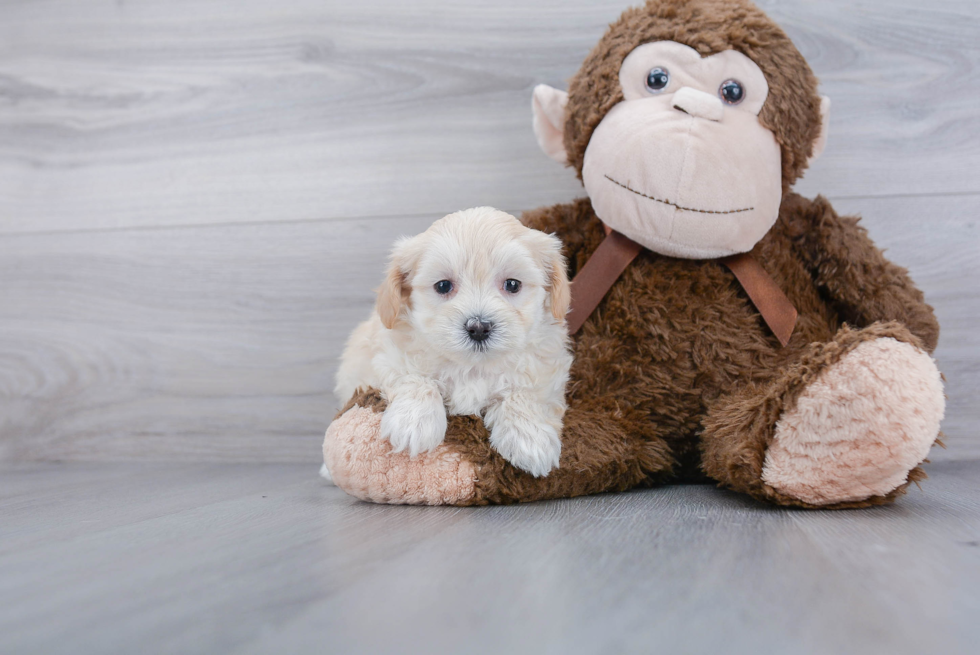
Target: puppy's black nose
[478, 329]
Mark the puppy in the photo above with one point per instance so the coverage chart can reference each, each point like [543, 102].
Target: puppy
[469, 320]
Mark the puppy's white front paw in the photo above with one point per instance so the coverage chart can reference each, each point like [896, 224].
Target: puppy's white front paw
[532, 447]
[414, 423]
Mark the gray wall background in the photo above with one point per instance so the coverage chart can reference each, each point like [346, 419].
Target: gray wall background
[196, 197]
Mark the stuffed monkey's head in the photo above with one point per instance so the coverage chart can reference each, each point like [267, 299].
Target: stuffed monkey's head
[687, 123]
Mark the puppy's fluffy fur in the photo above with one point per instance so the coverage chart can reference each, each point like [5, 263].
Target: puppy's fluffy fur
[417, 347]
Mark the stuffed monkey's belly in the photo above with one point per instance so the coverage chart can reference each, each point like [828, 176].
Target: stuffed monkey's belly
[676, 334]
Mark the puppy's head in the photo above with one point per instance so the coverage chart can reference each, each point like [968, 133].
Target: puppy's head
[475, 283]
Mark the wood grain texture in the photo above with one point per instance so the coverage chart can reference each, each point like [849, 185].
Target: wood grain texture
[161, 113]
[196, 343]
[258, 559]
[220, 343]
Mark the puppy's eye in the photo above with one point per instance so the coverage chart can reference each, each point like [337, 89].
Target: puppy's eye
[657, 80]
[443, 287]
[512, 286]
[731, 92]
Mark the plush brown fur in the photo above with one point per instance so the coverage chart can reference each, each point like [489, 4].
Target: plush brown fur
[676, 377]
[677, 353]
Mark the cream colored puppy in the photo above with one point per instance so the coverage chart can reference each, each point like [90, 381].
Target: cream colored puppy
[469, 320]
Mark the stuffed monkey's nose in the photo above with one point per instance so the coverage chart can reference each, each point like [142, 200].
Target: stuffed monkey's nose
[698, 104]
[478, 329]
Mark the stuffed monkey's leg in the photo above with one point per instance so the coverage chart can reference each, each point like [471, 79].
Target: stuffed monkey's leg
[844, 425]
[598, 454]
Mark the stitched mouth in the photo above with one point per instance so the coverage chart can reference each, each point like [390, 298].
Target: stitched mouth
[674, 204]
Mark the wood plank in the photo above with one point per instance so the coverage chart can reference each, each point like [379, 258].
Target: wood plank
[688, 569]
[220, 343]
[76, 495]
[258, 559]
[195, 343]
[150, 113]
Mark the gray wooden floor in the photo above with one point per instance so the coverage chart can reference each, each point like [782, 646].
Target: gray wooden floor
[214, 558]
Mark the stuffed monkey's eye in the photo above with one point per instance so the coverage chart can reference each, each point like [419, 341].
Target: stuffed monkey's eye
[512, 286]
[731, 92]
[443, 287]
[657, 79]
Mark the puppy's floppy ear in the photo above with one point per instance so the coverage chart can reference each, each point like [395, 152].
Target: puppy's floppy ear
[547, 251]
[395, 290]
[561, 290]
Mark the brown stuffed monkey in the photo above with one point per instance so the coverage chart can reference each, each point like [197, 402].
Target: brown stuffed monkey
[688, 123]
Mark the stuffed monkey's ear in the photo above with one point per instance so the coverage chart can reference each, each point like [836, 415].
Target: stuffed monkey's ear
[821, 142]
[548, 104]
[395, 290]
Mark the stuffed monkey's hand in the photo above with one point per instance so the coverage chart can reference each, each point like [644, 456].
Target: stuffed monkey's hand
[525, 432]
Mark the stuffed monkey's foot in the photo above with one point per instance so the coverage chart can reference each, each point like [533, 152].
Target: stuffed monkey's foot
[859, 428]
[363, 464]
[599, 452]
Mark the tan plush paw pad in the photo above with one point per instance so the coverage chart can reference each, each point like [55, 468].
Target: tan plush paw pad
[362, 464]
[860, 428]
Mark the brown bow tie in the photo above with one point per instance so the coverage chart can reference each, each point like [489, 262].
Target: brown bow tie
[616, 252]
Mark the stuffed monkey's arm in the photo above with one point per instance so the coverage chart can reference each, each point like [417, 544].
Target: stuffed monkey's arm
[853, 272]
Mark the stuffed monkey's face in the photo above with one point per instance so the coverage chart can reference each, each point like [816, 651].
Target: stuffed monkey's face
[683, 165]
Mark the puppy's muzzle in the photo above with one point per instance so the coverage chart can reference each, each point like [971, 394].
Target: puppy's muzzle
[478, 329]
